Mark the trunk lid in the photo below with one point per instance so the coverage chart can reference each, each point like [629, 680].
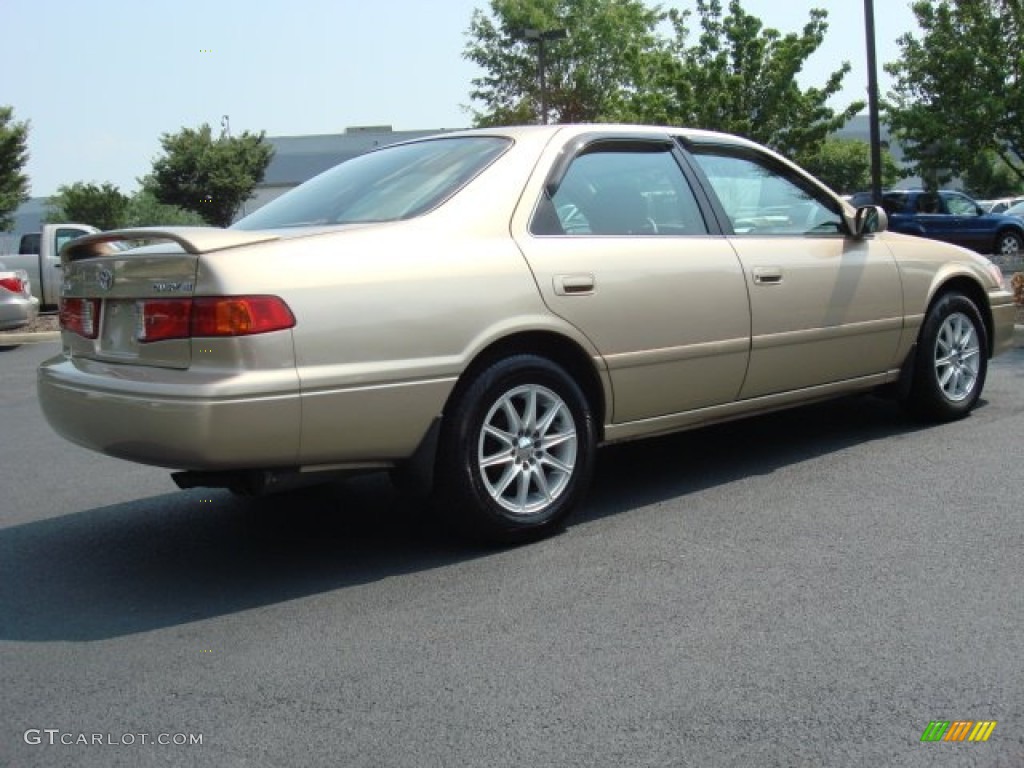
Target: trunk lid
[104, 285]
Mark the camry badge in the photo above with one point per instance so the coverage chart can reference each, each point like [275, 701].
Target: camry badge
[105, 279]
[166, 287]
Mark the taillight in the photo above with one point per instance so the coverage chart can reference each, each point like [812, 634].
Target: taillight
[162, 319]
[13, 284]
[239, 315]
[81, 316]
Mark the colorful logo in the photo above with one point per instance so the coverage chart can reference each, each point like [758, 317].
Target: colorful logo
[958, 730]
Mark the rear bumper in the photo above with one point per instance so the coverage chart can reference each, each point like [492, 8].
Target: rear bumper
[16, 311]
[147, 415]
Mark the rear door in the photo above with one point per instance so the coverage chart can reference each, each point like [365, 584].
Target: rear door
[622, 248]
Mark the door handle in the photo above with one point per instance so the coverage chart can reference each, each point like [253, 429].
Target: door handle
[767, 275]
[574, 285]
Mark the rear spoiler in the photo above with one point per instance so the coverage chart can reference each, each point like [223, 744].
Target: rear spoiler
[194, 240]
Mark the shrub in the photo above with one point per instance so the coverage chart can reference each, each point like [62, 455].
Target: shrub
[1017, 284]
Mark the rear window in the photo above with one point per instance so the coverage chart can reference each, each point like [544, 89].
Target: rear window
[29, 244]
[389, 184]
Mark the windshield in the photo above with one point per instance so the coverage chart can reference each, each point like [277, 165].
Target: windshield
[389, 184]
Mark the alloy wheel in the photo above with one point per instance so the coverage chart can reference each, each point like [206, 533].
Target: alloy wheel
[526, 450]
[957, 353]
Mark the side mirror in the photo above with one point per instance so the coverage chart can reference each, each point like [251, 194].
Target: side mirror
[869, 220]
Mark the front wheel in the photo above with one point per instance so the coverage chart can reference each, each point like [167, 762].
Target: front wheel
[1008, 243]
[951, 363]
[516, 451]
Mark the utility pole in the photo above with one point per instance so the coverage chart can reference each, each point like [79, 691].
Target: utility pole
[540, 37]
[876, 133]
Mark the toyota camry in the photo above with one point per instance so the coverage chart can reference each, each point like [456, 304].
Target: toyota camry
[479, 311]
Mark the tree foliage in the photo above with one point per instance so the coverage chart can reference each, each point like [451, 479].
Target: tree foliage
[13, 156]
[617, 64]
[144, 210]
[211, 177]
[958, 90]
[987, 176]
[103, 206]
[592, 74]
[739, 76]
[845, 165]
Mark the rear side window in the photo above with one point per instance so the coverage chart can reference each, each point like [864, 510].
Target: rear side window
[616, 191]
[390, 184]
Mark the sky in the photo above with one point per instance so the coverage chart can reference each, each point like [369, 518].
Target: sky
[100, 81]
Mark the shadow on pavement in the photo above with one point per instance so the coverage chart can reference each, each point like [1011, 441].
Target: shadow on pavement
[192, 555]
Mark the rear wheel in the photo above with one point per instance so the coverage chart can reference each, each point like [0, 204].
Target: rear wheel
[516, 451]
[951, 363]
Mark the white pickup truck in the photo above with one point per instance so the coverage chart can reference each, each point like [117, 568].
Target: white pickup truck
[39, 255]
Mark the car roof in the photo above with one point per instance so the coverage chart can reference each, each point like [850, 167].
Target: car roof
[571, 129]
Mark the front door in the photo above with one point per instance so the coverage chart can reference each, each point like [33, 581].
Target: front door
[825, 306]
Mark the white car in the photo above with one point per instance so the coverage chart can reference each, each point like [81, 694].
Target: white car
[18, 307]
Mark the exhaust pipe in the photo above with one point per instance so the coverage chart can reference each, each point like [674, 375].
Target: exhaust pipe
[260, 482]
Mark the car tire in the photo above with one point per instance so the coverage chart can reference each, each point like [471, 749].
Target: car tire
[1008, 243]
[516, 451]
[951, 361]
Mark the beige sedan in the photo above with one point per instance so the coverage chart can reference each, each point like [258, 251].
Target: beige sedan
[479, 311]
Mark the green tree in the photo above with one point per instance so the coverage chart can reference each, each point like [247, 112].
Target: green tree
[987, 176]
[740, 77]
[845, 165]
[13, 156]
[101, 206]
[958, 89]
[144, 210]
[594, 74]
[211, 177]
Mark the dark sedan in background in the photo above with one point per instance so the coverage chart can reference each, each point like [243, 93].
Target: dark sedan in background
[949, 216]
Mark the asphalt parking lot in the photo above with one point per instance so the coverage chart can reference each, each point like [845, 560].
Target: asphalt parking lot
[808, 588]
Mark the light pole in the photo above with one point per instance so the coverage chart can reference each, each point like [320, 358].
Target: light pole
[876, 137]
[540, 37]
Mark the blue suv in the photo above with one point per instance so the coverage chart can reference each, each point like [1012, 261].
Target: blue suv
[950, 216]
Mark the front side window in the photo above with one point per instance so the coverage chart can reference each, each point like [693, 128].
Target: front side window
[390, 184]
[961, 206]
[616, 191]
[760, 198]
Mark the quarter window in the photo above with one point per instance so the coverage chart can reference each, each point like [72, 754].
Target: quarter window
[760, 199]
[615, 191]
